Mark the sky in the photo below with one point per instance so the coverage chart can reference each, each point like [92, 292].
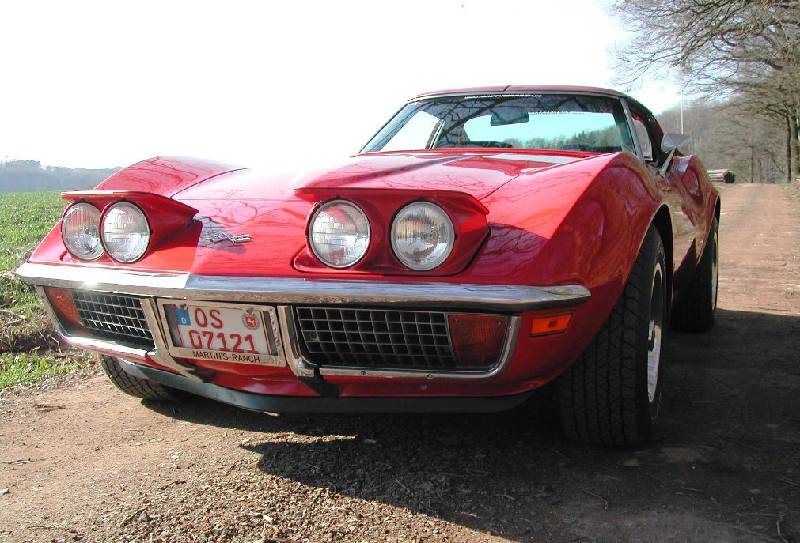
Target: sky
[275, 85]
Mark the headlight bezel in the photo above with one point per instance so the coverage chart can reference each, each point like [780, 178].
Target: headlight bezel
[451, 231]
[64, 238]
[310, 232]
[131, 205]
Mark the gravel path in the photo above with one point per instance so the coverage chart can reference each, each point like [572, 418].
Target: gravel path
[82, 462]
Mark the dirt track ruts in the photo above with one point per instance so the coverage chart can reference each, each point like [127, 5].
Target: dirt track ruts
[83, 462]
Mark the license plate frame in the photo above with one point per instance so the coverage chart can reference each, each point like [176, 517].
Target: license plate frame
[269, 326]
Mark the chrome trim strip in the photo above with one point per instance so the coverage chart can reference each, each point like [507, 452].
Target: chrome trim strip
[291, 345]
[105, 347]
[601, 93]
[632, 127]
[123, 281]
[302, 368]
[282, 290]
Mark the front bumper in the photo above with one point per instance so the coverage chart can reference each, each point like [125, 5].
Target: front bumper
[289, 290]
[283, 293]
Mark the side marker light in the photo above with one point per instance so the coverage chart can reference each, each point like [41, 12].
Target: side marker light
[551, 324]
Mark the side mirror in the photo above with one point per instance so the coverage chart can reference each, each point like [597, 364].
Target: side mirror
[669, 144]
[672, 142]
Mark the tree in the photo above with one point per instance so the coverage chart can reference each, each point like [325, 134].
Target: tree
[747, 50]
[729, 136]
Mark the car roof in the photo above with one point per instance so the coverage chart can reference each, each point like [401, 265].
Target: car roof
[513, 89]
[532, 89]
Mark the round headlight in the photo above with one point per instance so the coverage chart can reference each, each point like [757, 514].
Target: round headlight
[422, 236]
[79, 230]
[339, 234]
[126, 232]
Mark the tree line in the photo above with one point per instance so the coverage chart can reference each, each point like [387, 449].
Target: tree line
[741, 57]
[30, 175]
[726, 137]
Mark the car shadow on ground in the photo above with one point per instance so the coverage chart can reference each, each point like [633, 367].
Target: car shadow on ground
[725, 447]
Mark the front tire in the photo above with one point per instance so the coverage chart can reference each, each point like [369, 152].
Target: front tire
[133, 386]
[611, 394]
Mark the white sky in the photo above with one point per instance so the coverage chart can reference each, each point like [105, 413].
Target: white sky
[280, 85]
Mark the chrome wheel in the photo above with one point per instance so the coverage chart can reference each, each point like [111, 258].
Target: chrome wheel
[714, 272]
[654, 331]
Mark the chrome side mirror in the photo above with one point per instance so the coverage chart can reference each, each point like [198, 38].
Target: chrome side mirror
[669, 144]
[672, 142]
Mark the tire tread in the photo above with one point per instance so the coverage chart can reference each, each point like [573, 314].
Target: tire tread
[133, 386]
[599, 396]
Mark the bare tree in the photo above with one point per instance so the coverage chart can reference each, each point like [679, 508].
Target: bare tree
[730, 136]
[748, 50]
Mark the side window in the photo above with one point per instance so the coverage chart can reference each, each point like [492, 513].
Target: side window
[644, 139]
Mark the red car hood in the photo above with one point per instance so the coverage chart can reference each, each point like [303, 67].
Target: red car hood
[477, 173]
[267, 208]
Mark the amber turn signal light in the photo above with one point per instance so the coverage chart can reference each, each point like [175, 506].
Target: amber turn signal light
[64, 307]
[551, 324]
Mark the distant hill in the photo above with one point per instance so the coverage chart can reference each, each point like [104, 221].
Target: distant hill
[30, 175]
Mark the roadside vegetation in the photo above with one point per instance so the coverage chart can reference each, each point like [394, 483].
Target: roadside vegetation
[29, 350]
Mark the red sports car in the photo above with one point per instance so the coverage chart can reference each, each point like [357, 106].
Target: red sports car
[484, 243]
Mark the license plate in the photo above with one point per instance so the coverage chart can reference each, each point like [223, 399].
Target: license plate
[238, 333]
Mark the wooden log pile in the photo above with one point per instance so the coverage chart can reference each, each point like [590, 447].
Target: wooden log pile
[721, 176]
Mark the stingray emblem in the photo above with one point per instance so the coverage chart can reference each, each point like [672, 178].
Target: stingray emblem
[221, 235]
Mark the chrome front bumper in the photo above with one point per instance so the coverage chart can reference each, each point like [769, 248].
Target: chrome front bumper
[282, 293]
[277, 290]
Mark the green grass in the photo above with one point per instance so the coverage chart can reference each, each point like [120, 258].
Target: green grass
[16, 297]
[25, 217]
[28, 368]
[25, 339]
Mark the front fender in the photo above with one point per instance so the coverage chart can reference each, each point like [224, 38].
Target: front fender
[599, 239]
[597, 222]
[583, 222]
[165, 175]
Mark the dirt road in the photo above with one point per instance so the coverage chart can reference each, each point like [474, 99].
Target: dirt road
[83, 462]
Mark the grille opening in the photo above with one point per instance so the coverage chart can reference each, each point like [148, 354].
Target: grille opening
[376, 338]
[116, 317]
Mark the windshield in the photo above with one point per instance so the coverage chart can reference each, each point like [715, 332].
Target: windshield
[548, 121]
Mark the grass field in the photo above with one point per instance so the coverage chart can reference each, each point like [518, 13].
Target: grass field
[27, 345]
[25, 217]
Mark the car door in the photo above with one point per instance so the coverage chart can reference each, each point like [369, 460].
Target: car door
[672, 187]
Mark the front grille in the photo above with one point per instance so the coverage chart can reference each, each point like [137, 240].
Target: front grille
[113, 316]
[375, 338]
